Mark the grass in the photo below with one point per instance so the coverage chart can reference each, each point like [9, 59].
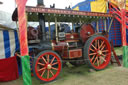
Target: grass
[70, 75]
[119, 50]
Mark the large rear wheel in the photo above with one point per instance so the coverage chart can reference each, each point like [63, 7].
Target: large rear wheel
[97, 52]
[47, 66]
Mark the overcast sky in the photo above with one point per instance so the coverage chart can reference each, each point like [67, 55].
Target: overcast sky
[9, 5]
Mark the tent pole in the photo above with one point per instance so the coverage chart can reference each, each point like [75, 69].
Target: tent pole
[25, 59]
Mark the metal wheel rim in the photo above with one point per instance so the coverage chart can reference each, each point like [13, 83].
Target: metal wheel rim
[55, 60]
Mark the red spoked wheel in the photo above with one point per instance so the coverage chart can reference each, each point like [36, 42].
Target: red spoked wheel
[47, 66]
[97, 52]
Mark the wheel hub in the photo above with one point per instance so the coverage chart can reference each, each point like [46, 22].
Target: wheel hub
[49, 66]
[99, 52]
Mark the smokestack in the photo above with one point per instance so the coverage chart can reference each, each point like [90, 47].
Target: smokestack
[40, 2]
[41, 20]
[1, 2]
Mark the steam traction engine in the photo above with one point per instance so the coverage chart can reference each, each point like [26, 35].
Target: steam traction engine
[83, 42]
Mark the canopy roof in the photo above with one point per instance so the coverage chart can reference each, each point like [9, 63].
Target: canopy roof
[62, 15]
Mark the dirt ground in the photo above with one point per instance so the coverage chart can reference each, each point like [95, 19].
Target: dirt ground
[112, 75]
[70, 75]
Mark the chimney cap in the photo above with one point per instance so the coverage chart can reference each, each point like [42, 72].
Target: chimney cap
[1, 2]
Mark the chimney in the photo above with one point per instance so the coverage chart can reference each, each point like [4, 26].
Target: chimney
[40, 2]
[1, 2]
[41, 20]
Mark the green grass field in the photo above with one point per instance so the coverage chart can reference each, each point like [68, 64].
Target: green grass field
[71, 75]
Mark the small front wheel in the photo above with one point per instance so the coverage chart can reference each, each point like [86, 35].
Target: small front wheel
[47, 66]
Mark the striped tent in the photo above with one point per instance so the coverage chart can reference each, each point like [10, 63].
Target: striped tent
[92, 6]
[9, 43]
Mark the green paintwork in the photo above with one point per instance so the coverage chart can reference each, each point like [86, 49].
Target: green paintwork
[125, 56]
[26, 70]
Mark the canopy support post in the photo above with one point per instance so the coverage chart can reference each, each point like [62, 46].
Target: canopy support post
[110, 25]
[56, 29]
[105, 26]
[49, 29]
[97, 26]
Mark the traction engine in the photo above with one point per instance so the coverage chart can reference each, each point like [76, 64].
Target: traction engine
[80, 44]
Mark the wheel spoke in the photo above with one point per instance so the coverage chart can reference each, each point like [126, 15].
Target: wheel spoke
[92, 53]
[105, 51]
[98, 44]
[42, 69]
[98, 62]
[44, 60]
[102, 58]
[43, 72]
[93, 46]
[95, 59]
[101, 44]
[103, 54]
[91, 49]
[48, 58]
[41, 64]
[54, 63]
[102, 47]
[51, 72]
[54, 68]
[48, 74]
[52, 60]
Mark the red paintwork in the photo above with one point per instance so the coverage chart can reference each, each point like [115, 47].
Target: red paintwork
[84, 32]
[75, 53]
[123, 30]
[22, 27]
[58, 66]
[72, 36]
[59, 46]
[108, 54]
